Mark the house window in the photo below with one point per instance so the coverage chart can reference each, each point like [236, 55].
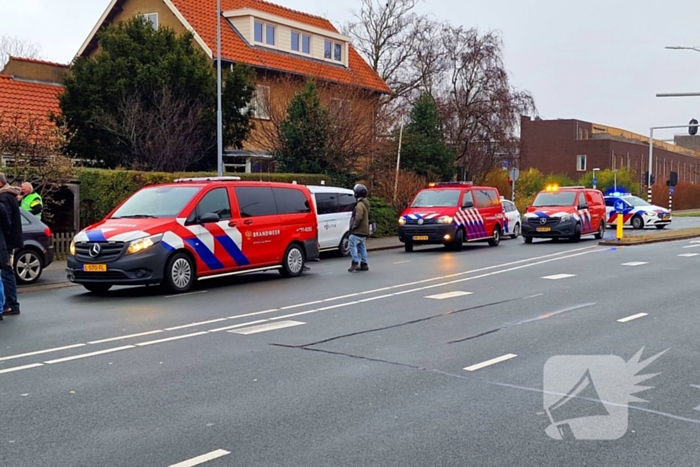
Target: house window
[327, 49]
[269, 34]
[338, 55]
[306, 43]
[333, 51]
[151, 18]
[258, 32]
[261, 102]
[295, 41]
[581, 163]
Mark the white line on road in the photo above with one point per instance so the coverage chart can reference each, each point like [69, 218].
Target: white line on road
[635, 263]
[238, 325]
[691, 246]
[695, 241]
[19, 368]
[442, 296]
[39, 352]
[403, 262]
[493, 361]
[130, 336]
[689, 255]
[159, 341]
[186, 294]
[175, 328]
[202, 459]
[86, 355]
[266, 327]
[559, 276]
[630, 318]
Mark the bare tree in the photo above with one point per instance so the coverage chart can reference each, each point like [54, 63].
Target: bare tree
[481, 110]
[160, 131]
[15, 47]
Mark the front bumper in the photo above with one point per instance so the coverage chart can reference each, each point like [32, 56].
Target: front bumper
[431, 234]
[554, 228]
[142, 268]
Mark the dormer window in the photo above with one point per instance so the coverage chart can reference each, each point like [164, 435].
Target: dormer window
[301, 42]
[269, 33]
[333, 51]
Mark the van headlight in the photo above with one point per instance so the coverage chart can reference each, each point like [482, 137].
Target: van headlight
[566, 218]
[445, 220]
[402, 221]
[137, 246]
[71, 248]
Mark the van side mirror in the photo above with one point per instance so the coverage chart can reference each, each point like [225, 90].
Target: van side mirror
[582, 206]
[468, 205]
[209, 218]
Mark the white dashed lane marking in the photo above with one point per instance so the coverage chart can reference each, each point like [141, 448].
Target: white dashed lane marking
[23, 367]
[689, 255]
[493, 361]
[630, 318]
[202, 459]
[266, 327]
[635, 263]
[442, 296]
[692, 246]
[559, 276]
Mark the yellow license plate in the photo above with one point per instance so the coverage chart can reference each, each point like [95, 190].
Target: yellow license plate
[420, 237]
[94, 267]
[667, 218]
[544, 229]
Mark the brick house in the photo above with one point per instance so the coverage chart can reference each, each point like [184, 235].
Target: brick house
[284, 46]
[574, 147]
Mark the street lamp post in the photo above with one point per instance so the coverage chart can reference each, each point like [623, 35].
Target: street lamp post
[677, 47]
[595, 180]
[398, 160]
[651, 153]
[219, 116]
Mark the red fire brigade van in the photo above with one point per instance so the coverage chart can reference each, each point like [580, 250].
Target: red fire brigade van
[451, 213]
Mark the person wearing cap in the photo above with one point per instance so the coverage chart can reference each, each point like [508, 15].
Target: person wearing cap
[31, 201]
[359, 230]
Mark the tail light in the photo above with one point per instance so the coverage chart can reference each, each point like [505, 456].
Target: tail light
[47, 232]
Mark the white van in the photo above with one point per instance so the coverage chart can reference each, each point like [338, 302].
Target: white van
[334, 208]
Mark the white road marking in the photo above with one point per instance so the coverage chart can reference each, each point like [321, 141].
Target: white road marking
[695, 241]
[691, 246]
[19, 368]
[186, 294]
[559, 276]
[175, 328]
[493, 361]
[39, 352]
[689, 255]
[130, 336]
[402, 262]
[635, 263]
[185, 336]
[630, 318]
[238, 325]
[266, 327]
[202, 459]
[86, 355]
[442, 296]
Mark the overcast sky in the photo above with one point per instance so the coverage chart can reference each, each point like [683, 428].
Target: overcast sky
[599, 60]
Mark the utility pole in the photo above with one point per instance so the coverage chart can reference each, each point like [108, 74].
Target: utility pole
[398, 160]
[219, 116]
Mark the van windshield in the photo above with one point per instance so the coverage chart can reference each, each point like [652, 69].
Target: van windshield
[436, 199]
[560, 198]
[166, 201]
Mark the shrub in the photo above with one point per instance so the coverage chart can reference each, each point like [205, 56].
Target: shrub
[385, 216]
[102, 190]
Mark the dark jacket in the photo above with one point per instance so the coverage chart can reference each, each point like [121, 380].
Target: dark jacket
[359, 224]
[12, 231]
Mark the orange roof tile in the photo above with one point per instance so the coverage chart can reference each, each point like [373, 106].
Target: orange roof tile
[28, 98]
[198, 14]
[40, 62]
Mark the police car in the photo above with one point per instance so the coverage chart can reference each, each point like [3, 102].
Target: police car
[513, 224]
[636, 212]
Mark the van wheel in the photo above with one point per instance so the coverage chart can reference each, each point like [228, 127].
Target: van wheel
[601, 231]
[577, 234]
[344, 247]
[98, 289]
[458, 242]
[528, 240]
[637, 223]
[293, 264]
[408, 247]
[516, 231]
[179, 274]
[496, 239]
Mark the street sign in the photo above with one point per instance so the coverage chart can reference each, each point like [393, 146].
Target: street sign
[619, 206]
[514, 174]
[595, 182]
[671, 190]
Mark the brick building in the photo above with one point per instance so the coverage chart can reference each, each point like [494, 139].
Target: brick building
[574, 147]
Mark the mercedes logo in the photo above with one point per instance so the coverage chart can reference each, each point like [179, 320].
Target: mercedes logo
[95, 250]
[420, 221]
[543, 220]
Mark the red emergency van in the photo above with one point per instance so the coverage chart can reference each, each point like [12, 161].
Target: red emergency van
[197, 228]
[451, 213]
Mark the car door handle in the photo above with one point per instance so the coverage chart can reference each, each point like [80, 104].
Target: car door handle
[232, 223]
[247, 222]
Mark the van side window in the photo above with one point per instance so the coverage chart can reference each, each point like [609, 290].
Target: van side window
[486, 198]
[347, 202]
[290, 201]
[581, 199]
[468, 198]
[326, 203]
[215, 201]
[255, 201]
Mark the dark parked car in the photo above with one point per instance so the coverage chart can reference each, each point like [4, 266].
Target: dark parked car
[38, 250]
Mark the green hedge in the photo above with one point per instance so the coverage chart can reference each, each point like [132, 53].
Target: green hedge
[385, 216]
[102, 190]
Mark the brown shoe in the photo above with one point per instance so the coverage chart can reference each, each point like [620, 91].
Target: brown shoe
[353, 267]
[10, 311]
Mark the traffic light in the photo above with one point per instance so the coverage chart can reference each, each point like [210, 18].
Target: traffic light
[693, 128]
[653, 179]
[510, 180]
[673, 181]
[645, 179]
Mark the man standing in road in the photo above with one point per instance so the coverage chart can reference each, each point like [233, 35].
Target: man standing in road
[11, 224]
[359, 230]
[31, 201]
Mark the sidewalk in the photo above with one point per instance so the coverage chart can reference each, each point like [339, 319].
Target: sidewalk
[386, 243]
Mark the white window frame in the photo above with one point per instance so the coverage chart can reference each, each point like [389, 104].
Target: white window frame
[262, 32]
[301, 35]
[274, 34]
[334, 44]
[265, 25]
[581, 158]
[151, 18]
[261, 102]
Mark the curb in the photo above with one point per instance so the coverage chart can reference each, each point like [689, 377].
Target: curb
[382, 248]
[43, 287]
[647, 239]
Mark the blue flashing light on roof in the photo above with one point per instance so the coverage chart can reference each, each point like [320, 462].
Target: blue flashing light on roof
[617, 193]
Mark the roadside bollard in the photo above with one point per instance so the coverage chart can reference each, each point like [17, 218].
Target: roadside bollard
[619, 225]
